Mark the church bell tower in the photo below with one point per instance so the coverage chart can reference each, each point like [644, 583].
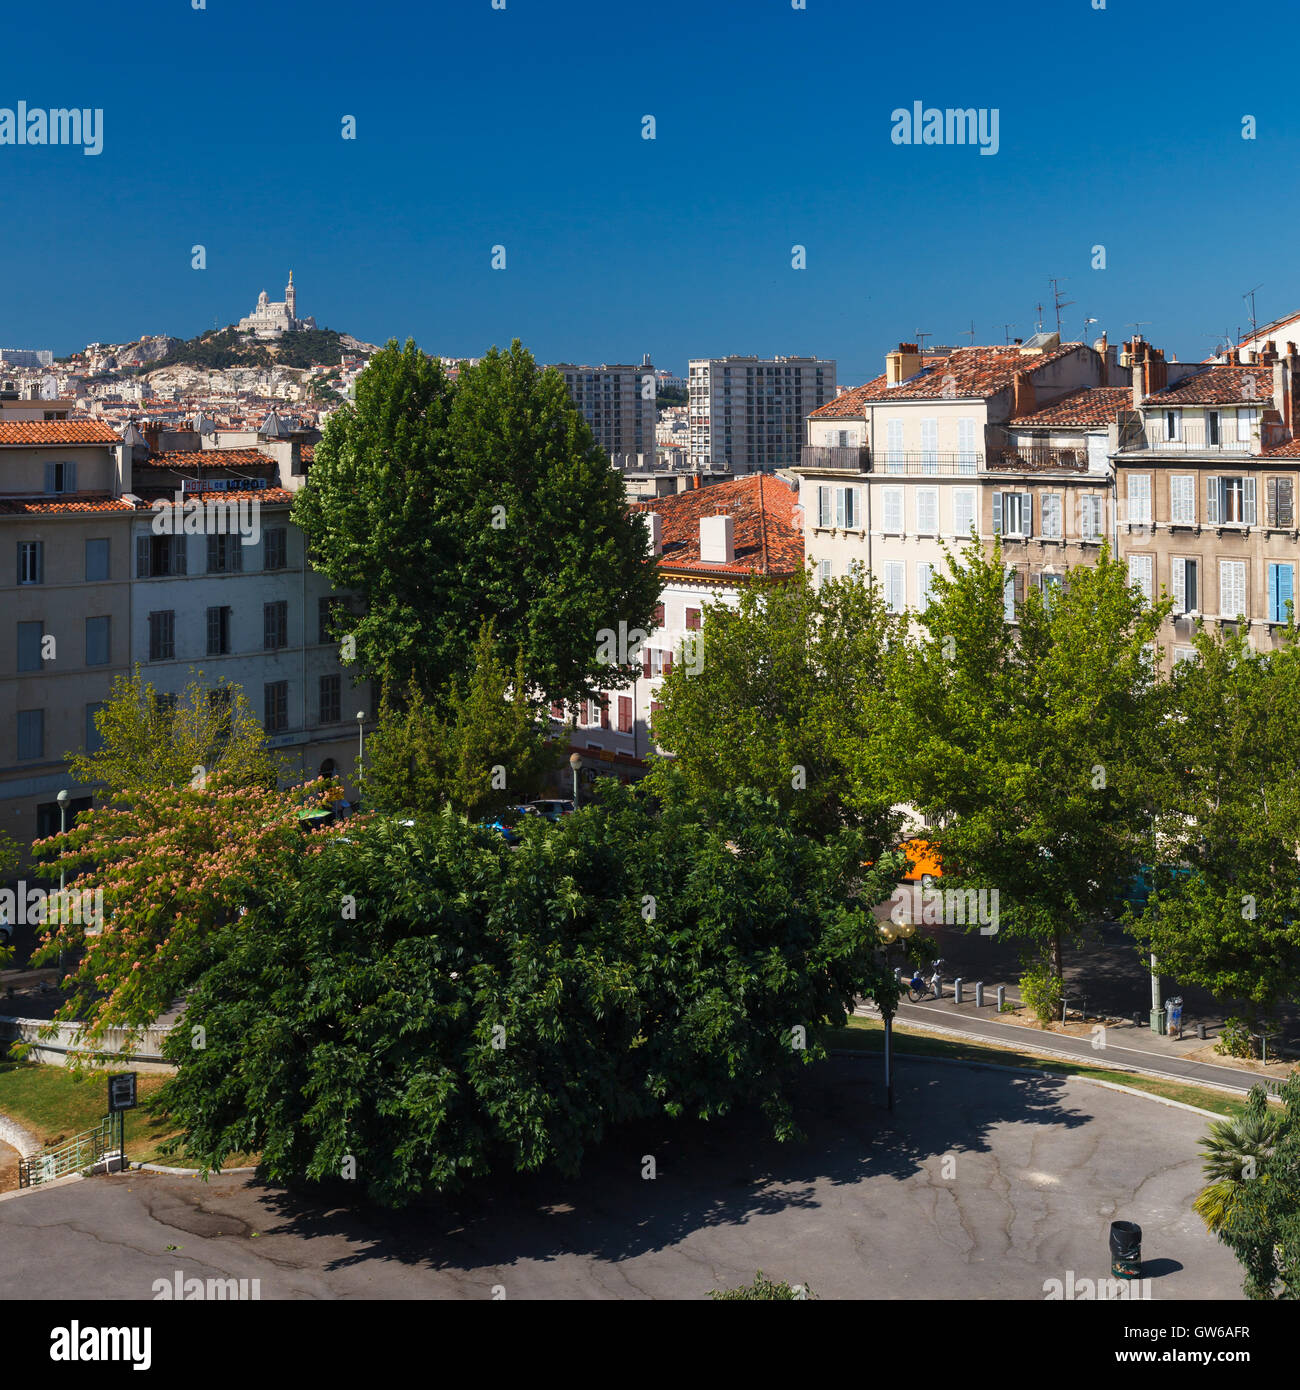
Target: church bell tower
[291, 298]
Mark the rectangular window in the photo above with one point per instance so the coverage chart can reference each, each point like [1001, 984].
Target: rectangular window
[659, 615]
[1185, 586]
[31, 734]
[823, 571]
[1009, 596]
[1230, 501]
[329, 705]
[1182, 499]
[218, 631]
[1050, 504]
[96, 560]
[1140, 572]
[29, 646]
[1281, 592]
[824, 506]
[1232, 588]
[929, 445]
[275, 548]
[159, 556]
[1139, 499]
[1090, 517]
[162, 635]
[1279, 501]
[891, 519]
[60, 477]
[1050, 586]
[225, 555]
[846, 499]
[604, 711]
[1173, 424]
[966, 445]
[1184, 654]
[1013, 514]
[927, 511]
[94, 739]
[894, 446]
[275, 706]
[895, 585]
[31, 562]
[693, 619]
[275, 625]
[963, 511]
[1212, 433]
[924, 584]
[625, 714]
[1246, 418]
[330, 612]
[97, 641]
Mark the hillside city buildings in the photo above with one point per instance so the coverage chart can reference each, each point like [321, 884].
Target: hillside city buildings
[270, 320]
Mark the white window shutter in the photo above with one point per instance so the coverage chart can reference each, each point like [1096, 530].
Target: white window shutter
[997, 513]
[1248, 512]
[1026, 513]
[1178, 580]
[823, 506]
[1212, 501]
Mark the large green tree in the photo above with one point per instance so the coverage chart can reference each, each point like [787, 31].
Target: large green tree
[446, 505]
[485, 750]
[1225, 911]
[1030, 744]
[786, 692]
[421, 1003]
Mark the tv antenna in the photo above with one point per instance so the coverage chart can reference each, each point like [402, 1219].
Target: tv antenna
[1250, 294]
[920, 339]
[1138, 326]
[1055, 282]
[1006, 333]
[970, 332]
[1039, 308]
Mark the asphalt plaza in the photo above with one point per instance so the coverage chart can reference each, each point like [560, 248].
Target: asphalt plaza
[983, 1184]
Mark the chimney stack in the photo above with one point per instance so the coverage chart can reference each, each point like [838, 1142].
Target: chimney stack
[654, 525]
[717, 540]
[903, 363]
[1023, 396]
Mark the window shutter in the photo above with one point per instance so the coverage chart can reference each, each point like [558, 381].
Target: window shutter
[1009, 597]
[1285, 590]
[49, 477]
[178, 554]
[823, 506]
[1178, 579]
[214, 554]
[235, 553]
[70, 476]
[1026, 513]
[645, 662]
[1248, 512]
[1285, 502]
[1270, 501]
[1212, 501]
[840, 505]
[997, 513]
[142, 557]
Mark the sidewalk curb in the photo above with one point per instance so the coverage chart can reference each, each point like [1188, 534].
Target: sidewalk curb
[185, 1172]
[41, 1187]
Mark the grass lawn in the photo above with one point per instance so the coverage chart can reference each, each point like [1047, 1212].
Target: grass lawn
[55, 1103]
[868, 1035]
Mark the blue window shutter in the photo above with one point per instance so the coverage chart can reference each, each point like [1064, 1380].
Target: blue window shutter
[49, 477]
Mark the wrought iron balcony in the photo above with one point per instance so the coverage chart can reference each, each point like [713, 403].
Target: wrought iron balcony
[835, 458]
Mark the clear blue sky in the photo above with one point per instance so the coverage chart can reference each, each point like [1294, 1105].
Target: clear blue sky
[523, 127]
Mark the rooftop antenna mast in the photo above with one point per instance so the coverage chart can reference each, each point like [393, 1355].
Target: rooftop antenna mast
[1250, 294]
[970, 332]
[1138, 326]
[1006, 333]
[1055, 282]
[920, 339]
[1039, 327]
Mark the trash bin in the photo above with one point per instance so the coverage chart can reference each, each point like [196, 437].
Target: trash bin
[1125, 1250]
[1158, 1021]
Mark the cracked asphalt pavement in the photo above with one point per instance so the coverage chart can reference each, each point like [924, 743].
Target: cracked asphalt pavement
[982, 1184]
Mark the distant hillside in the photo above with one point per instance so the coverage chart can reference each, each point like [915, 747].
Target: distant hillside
[228, 347]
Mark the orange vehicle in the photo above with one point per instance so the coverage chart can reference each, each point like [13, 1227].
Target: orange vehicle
[924, 864]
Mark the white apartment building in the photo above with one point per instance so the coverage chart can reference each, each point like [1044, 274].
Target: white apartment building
[748, 413]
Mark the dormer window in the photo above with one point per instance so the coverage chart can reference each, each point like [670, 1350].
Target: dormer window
[60, 477]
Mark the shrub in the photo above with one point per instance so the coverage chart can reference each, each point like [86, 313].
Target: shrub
[763, 1287]
[1043, 991]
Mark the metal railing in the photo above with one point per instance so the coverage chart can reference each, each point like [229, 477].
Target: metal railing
[1042, 458]
[74, 1155]
[1196, 438]
[928, 462]
[839, 458]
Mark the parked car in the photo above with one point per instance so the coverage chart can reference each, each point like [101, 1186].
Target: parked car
[552, 809]
[923, 862]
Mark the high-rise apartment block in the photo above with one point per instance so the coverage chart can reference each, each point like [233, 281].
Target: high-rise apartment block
[748, 412]
[618, 403]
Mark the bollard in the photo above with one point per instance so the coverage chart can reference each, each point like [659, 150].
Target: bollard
[1200, 1031]
[1002, 997]
[956, 990]
[898, 974]
[979, 994]
[1137, 1019]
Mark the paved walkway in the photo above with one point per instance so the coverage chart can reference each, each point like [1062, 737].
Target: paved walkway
[982, 1184]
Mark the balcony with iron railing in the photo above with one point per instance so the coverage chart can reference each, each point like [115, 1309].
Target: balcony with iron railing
[835, 458]
[1195, 437]
[1040, 458]
[929, 462]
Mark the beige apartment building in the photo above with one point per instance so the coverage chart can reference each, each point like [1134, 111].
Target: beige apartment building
[1206, 480]
[897, 473]
[65, 587]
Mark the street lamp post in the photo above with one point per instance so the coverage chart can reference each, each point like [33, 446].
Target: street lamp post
[889, 933]
[63, 800]
[575, 762]
[361, 747]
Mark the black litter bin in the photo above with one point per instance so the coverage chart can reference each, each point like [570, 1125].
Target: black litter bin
[1125, 1250]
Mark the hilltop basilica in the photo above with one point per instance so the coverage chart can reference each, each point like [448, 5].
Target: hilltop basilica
[271, 320]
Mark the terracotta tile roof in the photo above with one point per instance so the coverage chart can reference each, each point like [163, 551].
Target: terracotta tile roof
[976, 372]
[1289, 450]
[191, 460]
[65, 504]
[1217, 386]
[766, 536]
[1091, 405]
[267, 496]
[20, 433]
